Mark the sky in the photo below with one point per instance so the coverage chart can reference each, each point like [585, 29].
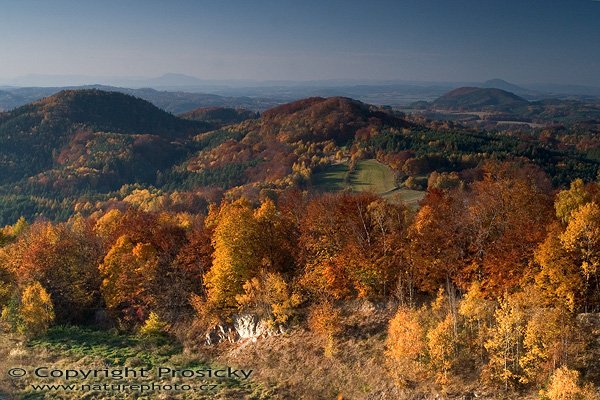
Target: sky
[522, 41]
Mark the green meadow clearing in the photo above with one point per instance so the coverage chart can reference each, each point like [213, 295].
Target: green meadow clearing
[369, 175]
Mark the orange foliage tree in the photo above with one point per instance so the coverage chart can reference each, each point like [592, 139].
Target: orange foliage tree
[487, 232]
[64, 259]
[140, 262]
[352, 245]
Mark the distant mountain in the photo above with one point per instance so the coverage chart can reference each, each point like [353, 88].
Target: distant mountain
[170, 79]
[558, 90]
[176, 80]
[510, 87]
[10, 100]
[396, 93]
[181, 102]
[220, 115]
[390, 93]
[47, 80]
[506, 108]
[21, 96]
[175, 102]
[477, 99]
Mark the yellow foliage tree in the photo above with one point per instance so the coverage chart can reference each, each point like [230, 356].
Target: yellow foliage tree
[549, 341]
[36, 311]
[236, 258]
[479, 313]
[474, 306]
[107, 224]
[247, 243]
[568, 201]
[582, 237]
[128, 274]
[19, 226]
[505, 345]
[273, 236]
[559, 276]
[405, 346]
[442, 343]
[270, 297]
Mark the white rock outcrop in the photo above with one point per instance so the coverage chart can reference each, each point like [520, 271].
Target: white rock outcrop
[243, 327]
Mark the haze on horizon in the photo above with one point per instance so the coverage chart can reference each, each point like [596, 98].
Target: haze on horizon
[415, 40]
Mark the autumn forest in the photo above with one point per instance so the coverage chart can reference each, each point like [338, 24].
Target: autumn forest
[437, 257]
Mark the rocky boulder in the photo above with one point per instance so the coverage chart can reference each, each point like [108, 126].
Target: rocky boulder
[242, 327]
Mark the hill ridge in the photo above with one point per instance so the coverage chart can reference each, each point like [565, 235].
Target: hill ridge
[475, 98]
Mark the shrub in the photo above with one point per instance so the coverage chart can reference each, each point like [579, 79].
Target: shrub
[154, 326]
[564, 385]
[270, 297]
[325, 320]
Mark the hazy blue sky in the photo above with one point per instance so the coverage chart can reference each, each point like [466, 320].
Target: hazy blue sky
[451, 40]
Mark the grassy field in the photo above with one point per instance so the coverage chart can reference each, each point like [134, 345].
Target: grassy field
[332, 178]
[372, 176]
[409, 197]
[369, 175]
[291, 366]
[73, 348]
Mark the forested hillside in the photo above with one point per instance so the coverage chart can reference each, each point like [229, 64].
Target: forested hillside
[83, 150]
[220, 115]
[84, 142]
[30, 136]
